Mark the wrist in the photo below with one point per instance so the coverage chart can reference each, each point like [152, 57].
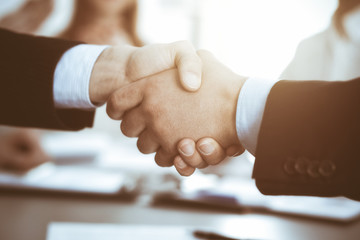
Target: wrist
[234, 91]
[250, 109]
[109, 73]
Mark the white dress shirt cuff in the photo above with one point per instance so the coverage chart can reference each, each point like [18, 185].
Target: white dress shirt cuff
[250, 110]
[72, 76]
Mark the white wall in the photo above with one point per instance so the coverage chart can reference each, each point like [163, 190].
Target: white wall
[253, 37]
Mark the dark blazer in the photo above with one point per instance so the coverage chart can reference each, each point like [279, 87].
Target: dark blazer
[309, 140]
[27, 66]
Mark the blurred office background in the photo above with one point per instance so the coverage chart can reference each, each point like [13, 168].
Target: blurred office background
[254, 38]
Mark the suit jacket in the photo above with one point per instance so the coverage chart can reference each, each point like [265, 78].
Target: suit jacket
[309, 140]
[27, 66]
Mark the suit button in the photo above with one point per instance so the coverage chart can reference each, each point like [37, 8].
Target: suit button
[289, 166]
[327, 168]
[301, 165]
[313, 169]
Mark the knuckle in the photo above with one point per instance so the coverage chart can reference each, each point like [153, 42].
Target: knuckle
[214, 160]
[113, 106]
[203, 53]
[126, 128]
[191, 161]
[140, 145]
[162, 160]
[185, 173]
[110, 108]
[200, 164]
[185, 44]
[182, 46]
[143, 146]
[181, 43]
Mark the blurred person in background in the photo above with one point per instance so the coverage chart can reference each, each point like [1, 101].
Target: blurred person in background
[104, 22]
[333, 54]
[29, 17]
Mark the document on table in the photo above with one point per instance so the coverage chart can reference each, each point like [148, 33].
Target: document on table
[234, 193]
[49, 177]
[92, 231]
[74, 169]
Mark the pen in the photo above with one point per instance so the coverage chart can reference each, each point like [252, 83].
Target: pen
[213, 236]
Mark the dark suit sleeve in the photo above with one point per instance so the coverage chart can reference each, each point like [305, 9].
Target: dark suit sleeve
[27, 66]
[309, 140]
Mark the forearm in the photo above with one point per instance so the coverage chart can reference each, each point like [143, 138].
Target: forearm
[28, 65]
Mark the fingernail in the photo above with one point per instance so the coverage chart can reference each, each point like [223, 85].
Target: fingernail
[206, 148]
[236, 154]
[192, 81]
[180, 164]
[187, 149]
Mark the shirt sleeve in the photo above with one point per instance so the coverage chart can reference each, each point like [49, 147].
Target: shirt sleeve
[250, 110]
[72, 76]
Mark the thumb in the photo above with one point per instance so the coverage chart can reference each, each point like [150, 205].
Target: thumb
[156, 58]
[189, 66]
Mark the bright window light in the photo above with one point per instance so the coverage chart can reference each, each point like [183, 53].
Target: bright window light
[254, 38]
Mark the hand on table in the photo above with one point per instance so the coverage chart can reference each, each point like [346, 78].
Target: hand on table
[20, 150]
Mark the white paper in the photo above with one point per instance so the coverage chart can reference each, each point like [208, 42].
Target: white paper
[92, 231]
[246, 194]
[66, 178]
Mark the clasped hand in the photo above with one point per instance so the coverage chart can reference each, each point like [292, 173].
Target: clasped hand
[187, 129]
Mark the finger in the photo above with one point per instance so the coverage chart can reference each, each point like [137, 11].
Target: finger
[25, 161]
[234, 150]
[28, 138]
[210, 150]
[32, 138]
[156, 58]
[22, 163]
[27, 151]
[188, 153]
[189, 65]
[182, 168]
[202, 53]
[146, 143]
[125, 99]
[133, 123]
[163, 158]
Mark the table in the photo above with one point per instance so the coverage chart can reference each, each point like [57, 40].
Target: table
[26, 216]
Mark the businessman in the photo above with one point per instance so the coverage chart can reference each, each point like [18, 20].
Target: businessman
[304, 135]
[57, 84]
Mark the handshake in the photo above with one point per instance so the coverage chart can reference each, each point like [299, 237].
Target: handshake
[155, 90]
